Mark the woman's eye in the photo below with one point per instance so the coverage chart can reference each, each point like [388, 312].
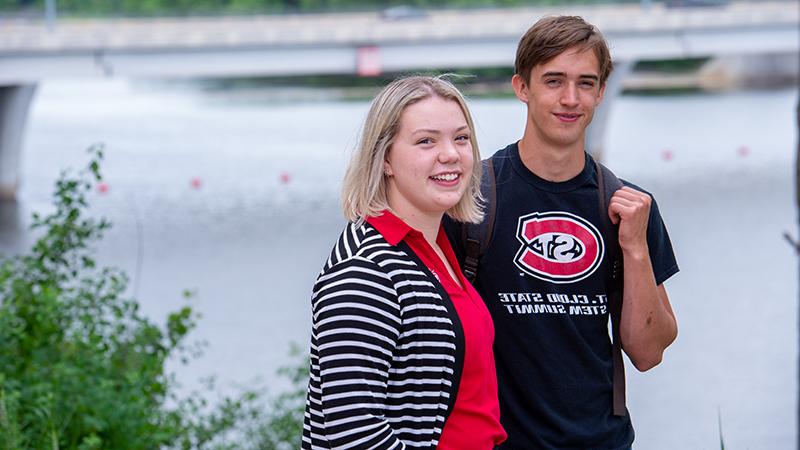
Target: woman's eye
[425, 141]
[462, 138]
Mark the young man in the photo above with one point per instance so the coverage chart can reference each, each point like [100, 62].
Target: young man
[548, 271]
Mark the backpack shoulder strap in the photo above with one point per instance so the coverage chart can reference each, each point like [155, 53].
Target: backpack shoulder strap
[476, 237]
[607, 184]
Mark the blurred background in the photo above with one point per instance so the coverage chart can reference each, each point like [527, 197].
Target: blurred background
[228, 124]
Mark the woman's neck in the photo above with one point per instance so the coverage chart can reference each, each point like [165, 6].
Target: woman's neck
[426, 224]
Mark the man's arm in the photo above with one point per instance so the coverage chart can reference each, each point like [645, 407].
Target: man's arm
[648, 325]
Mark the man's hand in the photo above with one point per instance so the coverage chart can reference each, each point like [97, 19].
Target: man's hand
[631, 210]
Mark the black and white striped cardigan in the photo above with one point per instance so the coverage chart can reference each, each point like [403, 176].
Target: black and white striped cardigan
[386, 349]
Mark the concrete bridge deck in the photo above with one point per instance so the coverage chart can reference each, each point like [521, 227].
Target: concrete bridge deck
[29, 51]
[370, 28]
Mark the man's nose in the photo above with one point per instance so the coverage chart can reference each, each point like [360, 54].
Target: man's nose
[569, 96]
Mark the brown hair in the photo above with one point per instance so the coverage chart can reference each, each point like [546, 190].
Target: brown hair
[552, 35]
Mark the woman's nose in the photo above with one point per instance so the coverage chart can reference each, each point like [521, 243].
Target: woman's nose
[449, 153]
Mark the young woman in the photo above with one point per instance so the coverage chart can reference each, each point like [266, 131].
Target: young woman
[401, 344]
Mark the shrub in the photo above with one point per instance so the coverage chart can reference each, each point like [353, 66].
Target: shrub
[82, 368]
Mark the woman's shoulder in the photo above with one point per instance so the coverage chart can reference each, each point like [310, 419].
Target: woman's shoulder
[356, 272]
[361, 252]
[362, 242]
[356, 242]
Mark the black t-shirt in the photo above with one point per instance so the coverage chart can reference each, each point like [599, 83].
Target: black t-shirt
[544, 278]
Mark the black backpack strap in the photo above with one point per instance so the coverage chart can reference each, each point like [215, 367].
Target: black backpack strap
[608, 183]
[476, 237]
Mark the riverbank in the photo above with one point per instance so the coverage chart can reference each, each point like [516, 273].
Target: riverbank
[667, 77]
[719, 74]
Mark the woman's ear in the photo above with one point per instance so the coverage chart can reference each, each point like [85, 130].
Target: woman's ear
[387, 168]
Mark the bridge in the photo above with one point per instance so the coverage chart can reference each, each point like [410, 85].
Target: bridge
[358, 43]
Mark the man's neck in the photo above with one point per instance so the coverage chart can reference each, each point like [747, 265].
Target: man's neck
[551, 163]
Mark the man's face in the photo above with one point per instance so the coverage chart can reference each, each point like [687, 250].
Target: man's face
[561, 95]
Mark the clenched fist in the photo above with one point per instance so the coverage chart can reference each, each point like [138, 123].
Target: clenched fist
[631, 210]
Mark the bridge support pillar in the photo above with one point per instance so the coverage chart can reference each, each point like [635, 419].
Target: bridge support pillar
[14, 104]
[596, 133]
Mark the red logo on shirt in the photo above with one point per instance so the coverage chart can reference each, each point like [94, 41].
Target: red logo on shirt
[558, 247]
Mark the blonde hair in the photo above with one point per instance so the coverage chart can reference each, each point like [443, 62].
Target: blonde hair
[364, 188]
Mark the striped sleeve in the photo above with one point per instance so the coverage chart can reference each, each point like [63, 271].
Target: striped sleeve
[356, 326]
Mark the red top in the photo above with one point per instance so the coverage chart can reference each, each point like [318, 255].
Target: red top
[474, 422]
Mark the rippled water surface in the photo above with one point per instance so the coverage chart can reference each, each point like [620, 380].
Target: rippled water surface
[236, 199]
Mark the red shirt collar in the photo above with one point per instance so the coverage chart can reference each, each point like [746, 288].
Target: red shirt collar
[391, 227]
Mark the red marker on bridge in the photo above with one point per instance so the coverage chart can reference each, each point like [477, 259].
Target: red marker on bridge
[667, 154]
[285, 177]
[196, 183]
[102, 187]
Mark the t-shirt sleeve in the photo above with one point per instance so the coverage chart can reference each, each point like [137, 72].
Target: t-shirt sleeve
[662, 256]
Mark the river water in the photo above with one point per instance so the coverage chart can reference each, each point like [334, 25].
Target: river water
[234, 195]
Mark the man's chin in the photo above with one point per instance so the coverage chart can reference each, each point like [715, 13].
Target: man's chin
[567, 141]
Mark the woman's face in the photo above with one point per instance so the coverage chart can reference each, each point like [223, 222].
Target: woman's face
[430, 162]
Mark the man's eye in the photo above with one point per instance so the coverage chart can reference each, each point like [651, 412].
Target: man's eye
[553, 82]
[587, 84]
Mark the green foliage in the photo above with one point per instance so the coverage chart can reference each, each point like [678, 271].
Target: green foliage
[194, 7]
[680, 65]
[280, 428]
[250, 423]
[82, 368]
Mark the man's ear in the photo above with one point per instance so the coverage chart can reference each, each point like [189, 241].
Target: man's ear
[520, 88]
[600, 94]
